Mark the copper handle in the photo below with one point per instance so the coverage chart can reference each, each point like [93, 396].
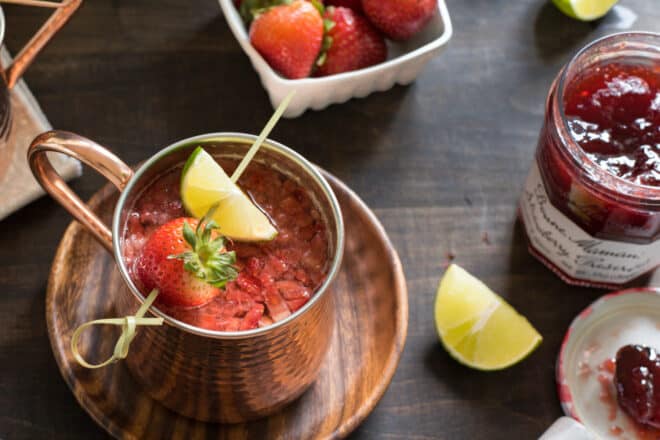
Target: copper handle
[54, 23]
[88, 152]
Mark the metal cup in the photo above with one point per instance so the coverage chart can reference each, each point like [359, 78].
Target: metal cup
[204, 374]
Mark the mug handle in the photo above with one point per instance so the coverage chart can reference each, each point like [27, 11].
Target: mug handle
[64, 11]
[88, 152]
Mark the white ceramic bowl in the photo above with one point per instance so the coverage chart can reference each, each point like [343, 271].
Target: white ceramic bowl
[405, 61]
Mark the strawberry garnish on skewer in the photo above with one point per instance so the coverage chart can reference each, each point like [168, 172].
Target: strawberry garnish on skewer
[189, 267]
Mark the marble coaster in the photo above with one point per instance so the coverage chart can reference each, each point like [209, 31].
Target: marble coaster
[17, 185]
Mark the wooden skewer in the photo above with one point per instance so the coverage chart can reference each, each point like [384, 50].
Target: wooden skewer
[38, 3]
[262, 137]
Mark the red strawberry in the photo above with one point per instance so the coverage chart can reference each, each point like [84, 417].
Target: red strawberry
[187, 267]
[289, 37]
[354, 43]
[355, 5]
[399, 19]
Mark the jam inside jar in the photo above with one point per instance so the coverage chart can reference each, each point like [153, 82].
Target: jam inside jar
[613, 113]
[598, 165]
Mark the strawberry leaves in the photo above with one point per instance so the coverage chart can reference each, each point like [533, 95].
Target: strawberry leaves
[208, 258]
[249, 9]
[328, 24]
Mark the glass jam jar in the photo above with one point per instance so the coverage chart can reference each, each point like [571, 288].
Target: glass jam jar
[591, 203]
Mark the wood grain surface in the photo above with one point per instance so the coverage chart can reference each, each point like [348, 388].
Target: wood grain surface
[360, 362]
[441, 162]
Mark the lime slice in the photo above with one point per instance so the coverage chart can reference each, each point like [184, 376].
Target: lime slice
[204, 183]
[585, 10]
[477, 327]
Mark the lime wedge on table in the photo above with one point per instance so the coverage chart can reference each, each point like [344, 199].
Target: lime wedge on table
[585, 10]
[477, 327]
[204, 183]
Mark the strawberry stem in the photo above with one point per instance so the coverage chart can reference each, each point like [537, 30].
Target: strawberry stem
[208, 258]
[318, 5]
[326, 43]
[250, 9]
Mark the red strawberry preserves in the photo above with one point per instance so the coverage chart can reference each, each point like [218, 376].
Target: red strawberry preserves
[637, 381]
[591, 204]
[275, 278]
[613, 113]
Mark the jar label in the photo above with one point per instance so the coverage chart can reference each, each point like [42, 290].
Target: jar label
[571, 250]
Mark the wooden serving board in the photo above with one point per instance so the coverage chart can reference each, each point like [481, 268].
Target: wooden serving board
[371, 314]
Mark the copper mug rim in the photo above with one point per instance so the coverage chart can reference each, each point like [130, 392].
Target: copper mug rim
[125, 180]
[221, 137]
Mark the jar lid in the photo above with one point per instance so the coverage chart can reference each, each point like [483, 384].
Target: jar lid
[585, 367]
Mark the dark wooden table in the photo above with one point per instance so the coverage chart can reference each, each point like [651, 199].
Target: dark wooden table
[441, 162]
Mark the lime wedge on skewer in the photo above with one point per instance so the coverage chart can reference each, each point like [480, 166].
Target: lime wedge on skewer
[585, 10]
[204, 183]
[477, 327]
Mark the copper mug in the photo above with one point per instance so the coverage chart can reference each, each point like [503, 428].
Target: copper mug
[208, 375]
[11, 74]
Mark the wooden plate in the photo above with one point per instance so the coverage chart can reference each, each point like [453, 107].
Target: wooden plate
[372, 320]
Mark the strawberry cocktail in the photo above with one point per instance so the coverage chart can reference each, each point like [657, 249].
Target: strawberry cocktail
[239, 262]
[267, 280]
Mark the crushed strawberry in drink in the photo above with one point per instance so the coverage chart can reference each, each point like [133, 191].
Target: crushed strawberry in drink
[275, 278]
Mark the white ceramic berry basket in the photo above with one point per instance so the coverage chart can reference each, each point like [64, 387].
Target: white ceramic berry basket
[405, 61]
